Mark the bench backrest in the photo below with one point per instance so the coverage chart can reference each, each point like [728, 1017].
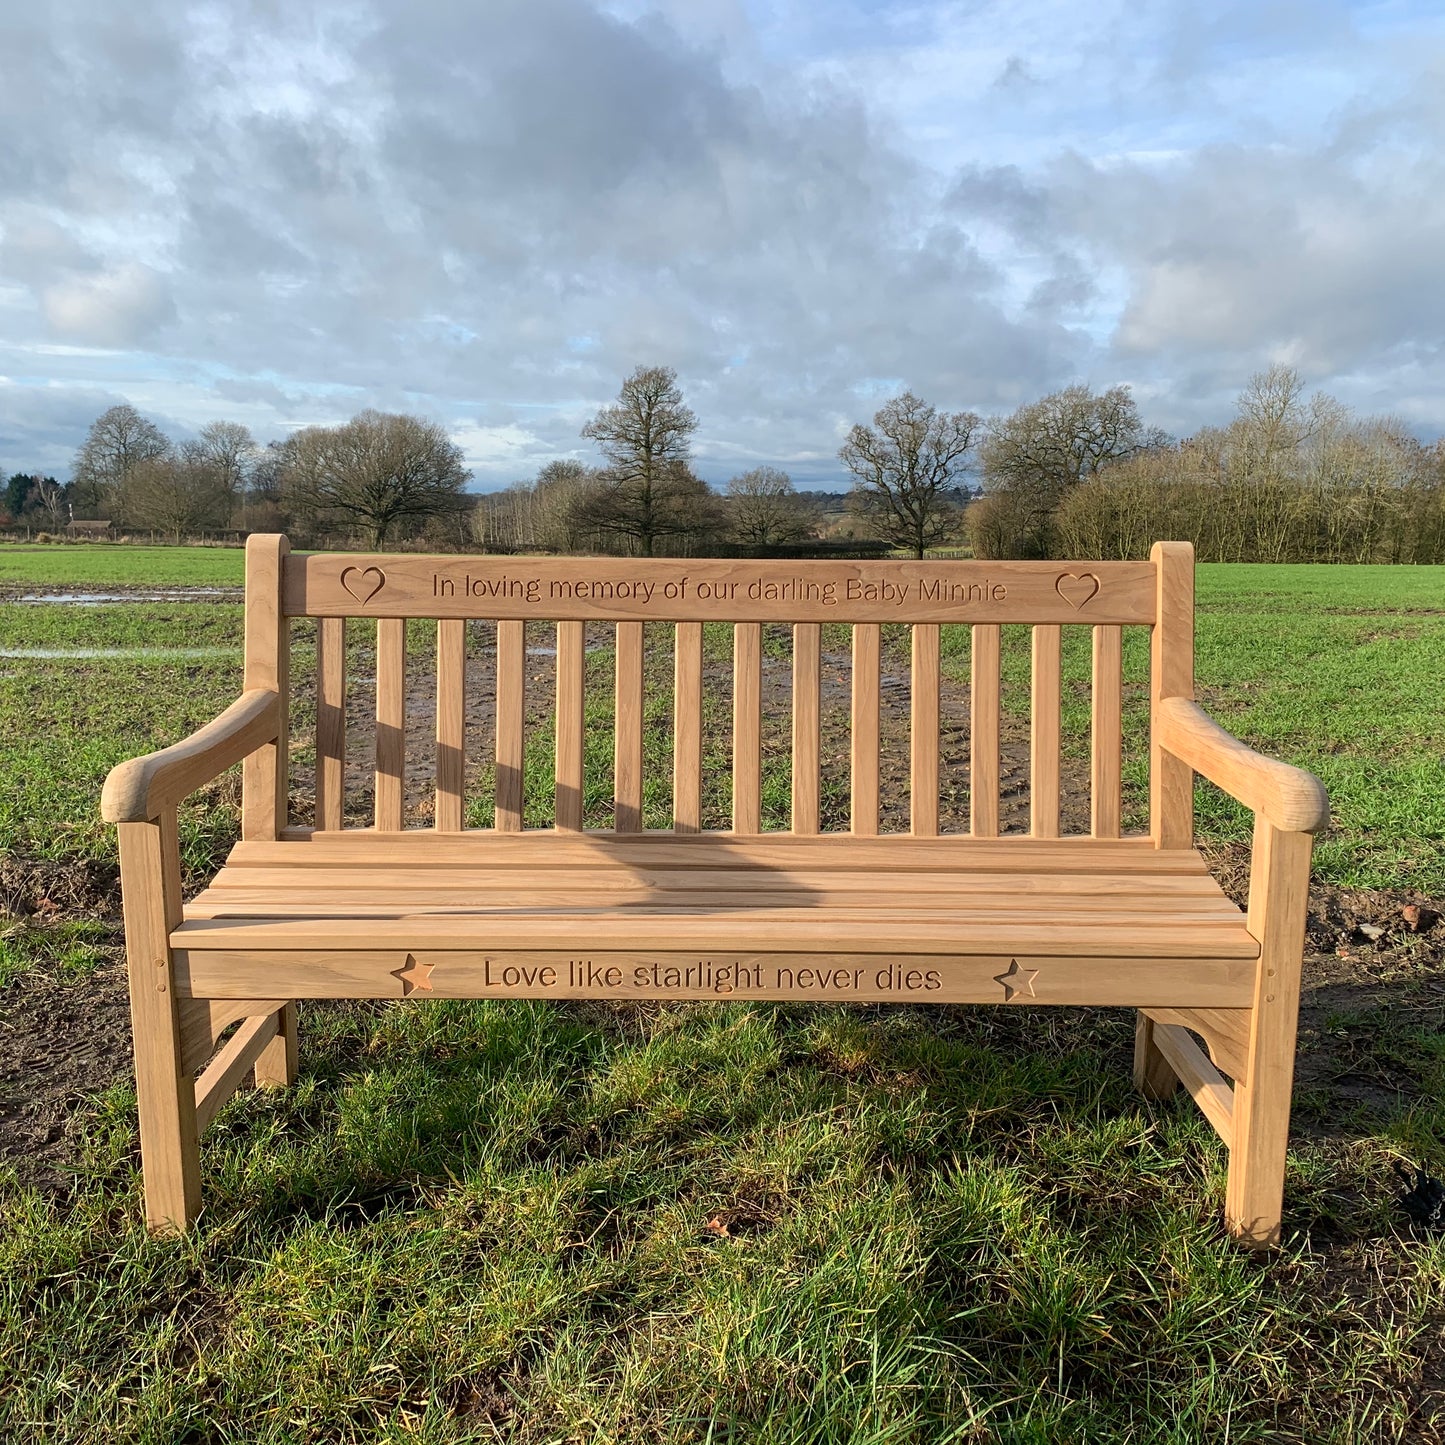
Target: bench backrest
[683, 595]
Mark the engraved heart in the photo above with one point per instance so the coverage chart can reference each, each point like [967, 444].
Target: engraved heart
[363, 583]
[1077, 588]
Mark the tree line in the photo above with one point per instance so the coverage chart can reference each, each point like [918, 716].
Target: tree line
[1291, 478]
[1076, 473]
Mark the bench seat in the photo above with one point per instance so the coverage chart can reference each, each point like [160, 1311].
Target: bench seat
[1089, 922]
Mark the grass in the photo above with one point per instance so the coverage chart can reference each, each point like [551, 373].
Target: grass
[543, 1222]
[114, 564]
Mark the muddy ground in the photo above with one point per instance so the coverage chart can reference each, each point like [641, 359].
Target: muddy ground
[1375, 960]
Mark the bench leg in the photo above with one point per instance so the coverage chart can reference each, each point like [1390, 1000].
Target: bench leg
[276, 1065]
[165, 1090]
[1153, 1076]
[1278, 896]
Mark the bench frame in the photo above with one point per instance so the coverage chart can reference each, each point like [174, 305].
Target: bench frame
[175, 1033]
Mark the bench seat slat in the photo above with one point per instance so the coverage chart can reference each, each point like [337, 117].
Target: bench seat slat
[701, 929]
[321, 903]
[1023, 889]
[544, 848]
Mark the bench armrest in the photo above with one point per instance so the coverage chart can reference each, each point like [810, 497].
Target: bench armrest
[1289, 797]
[140, 789]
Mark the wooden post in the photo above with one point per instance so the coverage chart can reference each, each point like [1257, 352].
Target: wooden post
[1278, 898]
[276, 1064]
[1153, 1076]
[264, 779]
[1171, 782]
[165, 1091]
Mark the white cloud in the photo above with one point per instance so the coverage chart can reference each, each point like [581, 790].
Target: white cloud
[288, 213]
[122, 307]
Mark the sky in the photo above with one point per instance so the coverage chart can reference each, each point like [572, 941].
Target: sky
[488, 212]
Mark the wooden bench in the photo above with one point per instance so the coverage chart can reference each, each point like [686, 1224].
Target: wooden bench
[446, 911]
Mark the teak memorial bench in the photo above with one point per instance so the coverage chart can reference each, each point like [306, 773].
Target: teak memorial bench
[452, 912]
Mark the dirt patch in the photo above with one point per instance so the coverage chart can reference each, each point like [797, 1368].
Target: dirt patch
[61, 1042]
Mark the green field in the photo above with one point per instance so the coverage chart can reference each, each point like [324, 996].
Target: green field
[113, 564]
[734, 1223]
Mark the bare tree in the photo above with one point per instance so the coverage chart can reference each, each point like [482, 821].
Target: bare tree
[380, 471]
[765, 509]
[1032, 459]
[230, 450]
[177, 495]
[648, 495]
[905, 468]
[118, 439]
[51, 495]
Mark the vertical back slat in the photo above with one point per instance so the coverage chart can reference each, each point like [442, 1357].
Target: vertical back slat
[687, 728]
[1044, 733]
[1171, 782]
[923, 732]
[864, 752]
[511, 705]
[1106, 732]
[265, 783]
[390, 721]
[747, 727]
[571, 656]
[627, 733]
[451, 722]
[807, 687]
[330, 722]
[983, 731]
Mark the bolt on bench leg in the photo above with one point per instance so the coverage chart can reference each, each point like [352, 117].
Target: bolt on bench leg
[1153, 1076]
[276, 1064]
[165, 1090]
[1278, 896]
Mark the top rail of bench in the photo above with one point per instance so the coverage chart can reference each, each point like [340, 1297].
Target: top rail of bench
[696, 590]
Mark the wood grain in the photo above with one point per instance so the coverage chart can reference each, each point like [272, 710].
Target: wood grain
[983, 705]
[1278, 902]
[1106, 733]
[1044, 734]
[1171, 781]
[863, 732]
[687, 728]
[747, 727]
[1046, 979]
[1290, 798]
[451, 723]
[664, 589]
[627, 730]
[165, 1092]
[571, 664]
[807, 719]
[511, 720]
[264, 776]
[330, 721]
[141, 789]
[390, 721]
[923, 732]
[1206, 1085]
[230, 1066]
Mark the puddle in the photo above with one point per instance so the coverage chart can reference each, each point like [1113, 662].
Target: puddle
[45, 654]
[84, 599]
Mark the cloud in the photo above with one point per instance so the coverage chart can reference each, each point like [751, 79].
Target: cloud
[491, 214]
[122, 307]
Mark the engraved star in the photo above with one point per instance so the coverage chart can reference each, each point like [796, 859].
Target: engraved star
[413, 975]
[1017, 981]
